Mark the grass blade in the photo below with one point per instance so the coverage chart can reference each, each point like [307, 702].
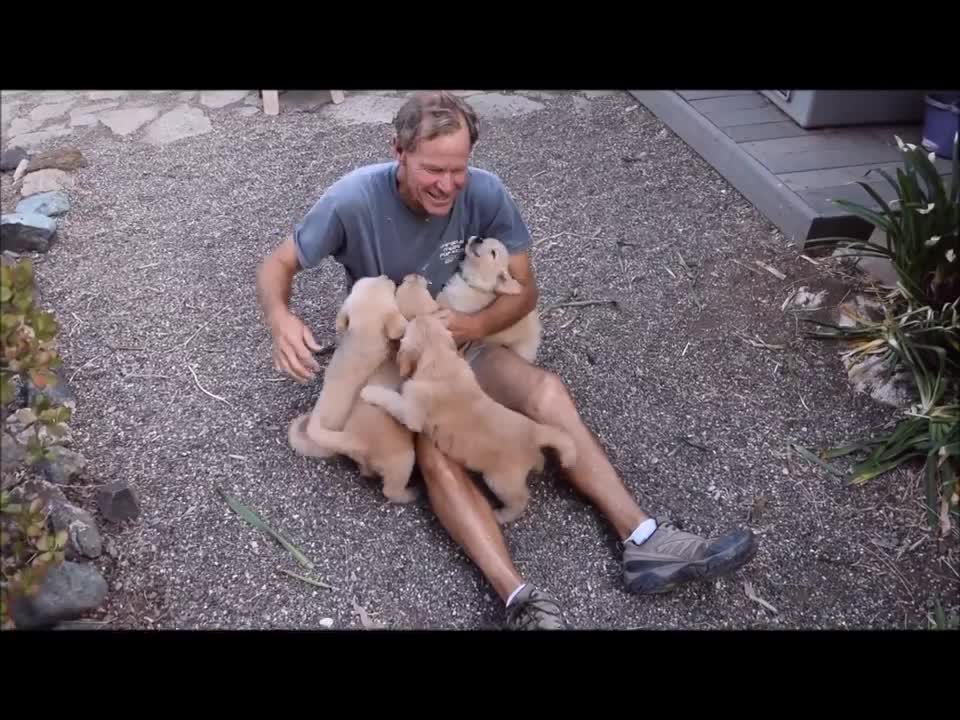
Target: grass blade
[921, 163]
[864, 446]
[877, 199]
[872, 470]
[810, 457]
[251, 517]
[867, 214]
[309, 581]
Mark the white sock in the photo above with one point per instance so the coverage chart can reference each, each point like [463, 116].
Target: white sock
[643, 531]
[514, 593]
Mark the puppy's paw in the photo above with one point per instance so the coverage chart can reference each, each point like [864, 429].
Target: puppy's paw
[402, 497]
[508, 514]
[373, 394]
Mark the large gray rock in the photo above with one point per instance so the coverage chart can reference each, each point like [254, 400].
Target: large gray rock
[83, 537]
[221, 98]
[50, 204]
[180, 123]
[497, 105]
[13, 455]
[65, 158]
[68, 591]
[9, 159]
[362, 109]
[49, 111]
[49, 180]
[38, 137]
[127, 120]
[64, 467]
[118, 502]
[107, 94]
[26, 232]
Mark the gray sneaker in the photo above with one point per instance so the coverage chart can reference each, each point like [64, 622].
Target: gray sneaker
[670, 557]
[533, 609]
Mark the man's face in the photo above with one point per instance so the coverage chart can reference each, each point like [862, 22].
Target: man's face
[435, 172]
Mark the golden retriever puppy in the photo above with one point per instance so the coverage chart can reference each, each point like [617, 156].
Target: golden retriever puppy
[413, 298]
[371, 438]
[483, 274]
[442, 398]
[366, 324]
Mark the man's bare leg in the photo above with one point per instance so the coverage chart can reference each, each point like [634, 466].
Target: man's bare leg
[540, 395]
[657, 557]
[468, 517]
[466, 514]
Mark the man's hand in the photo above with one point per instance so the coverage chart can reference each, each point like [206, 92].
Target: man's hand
[462, 326]
[293, 347]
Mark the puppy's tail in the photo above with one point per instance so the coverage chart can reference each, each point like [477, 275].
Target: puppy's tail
[320, 442]
[560, 441]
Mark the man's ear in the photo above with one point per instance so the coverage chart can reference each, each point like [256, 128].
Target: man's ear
[507, 285]
[396, 325]
[343, 320]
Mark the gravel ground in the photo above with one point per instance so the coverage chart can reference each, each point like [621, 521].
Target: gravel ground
[153, 275]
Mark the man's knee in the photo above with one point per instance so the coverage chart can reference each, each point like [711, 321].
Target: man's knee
[549, 397]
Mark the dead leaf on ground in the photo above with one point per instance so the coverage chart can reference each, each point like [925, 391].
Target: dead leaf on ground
[365, 619]
[748, 589]
[759, 505]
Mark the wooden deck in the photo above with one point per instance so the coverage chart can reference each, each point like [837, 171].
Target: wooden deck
[789, 173]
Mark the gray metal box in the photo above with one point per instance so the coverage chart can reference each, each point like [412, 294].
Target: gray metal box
[823, 108]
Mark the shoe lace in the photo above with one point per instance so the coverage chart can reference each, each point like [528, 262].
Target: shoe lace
[530, 612]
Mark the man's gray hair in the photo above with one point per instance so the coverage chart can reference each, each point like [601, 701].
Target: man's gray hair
[430, 114]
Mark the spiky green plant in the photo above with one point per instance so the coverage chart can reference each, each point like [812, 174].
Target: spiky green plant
[921, 226]
[920, 330]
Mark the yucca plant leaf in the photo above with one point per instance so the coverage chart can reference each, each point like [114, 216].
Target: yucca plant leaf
[871, 216]
[862, 446]
[921, 162]
[856, 247]
[880, 201]
[931, 490]
[955, 180]
[867, 471]
[810, 457]
[251, 517]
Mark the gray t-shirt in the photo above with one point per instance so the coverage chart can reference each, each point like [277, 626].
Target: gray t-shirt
[362, 223]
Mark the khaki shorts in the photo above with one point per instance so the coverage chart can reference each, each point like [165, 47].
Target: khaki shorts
[472, 350]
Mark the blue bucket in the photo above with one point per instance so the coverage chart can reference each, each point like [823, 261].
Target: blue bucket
[941, 123]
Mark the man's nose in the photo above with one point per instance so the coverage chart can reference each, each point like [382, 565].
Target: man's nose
[446, 182]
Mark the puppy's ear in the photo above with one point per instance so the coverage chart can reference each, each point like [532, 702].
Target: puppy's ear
[396, 325]
[343, 320]
[506, 284]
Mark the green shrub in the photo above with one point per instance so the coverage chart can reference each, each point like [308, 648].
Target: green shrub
[920, 330]
[28, 357]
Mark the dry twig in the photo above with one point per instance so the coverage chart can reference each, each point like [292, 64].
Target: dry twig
[582, 303]
[770, 269]
[197, 381]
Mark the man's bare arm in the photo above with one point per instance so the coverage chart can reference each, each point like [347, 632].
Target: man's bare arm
[293, 343]
[509, 309]
[275, 280]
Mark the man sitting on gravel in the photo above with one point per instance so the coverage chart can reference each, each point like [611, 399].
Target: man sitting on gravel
[414, 215]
